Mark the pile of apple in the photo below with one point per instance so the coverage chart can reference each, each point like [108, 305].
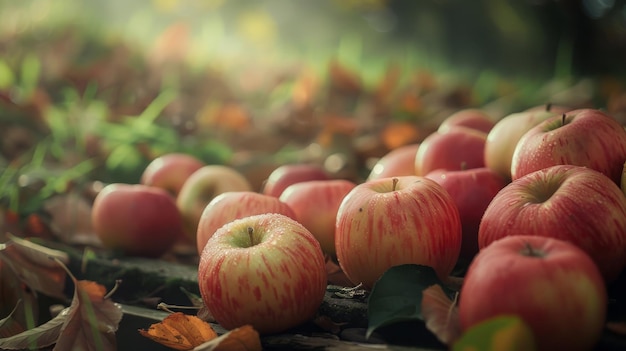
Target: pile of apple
[530, 203]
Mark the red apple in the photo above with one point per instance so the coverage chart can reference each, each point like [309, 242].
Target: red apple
[584, 137]
[458, 148]
[503, 137]
[231, 205]
[201, 187]
[397, 162]
[264, 270]
[285, 175]
[470, 117]
[170, 171]
[137, 220]
[552, 285]
[571, 203]
[472, 191]
[392, 221]
[315, 203]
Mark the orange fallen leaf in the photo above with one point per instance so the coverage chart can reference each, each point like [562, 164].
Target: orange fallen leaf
[245, 338]
[397, 134]
[180, 331]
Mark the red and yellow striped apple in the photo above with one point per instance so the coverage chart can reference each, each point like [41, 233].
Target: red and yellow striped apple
[265, 270]
[315, 204]
[552, 285]
[456, 149]
[170, 171]
[584, 137]
[571, 203]
[392, 221]
[473, 118]
[231, 205]
[136, 219]
[395, 163]
[201, 187]
[472, 191]
[285, 175]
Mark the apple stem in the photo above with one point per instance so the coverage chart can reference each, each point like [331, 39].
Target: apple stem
[463, 166]
[548, 106]
[563, 119]
[251, 235]
[530, 251]
[394, 184]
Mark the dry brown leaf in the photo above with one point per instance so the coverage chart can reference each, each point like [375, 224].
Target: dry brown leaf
[441, 314]
[180, 331]
[245, 338]
[397, 134]
[34, 265]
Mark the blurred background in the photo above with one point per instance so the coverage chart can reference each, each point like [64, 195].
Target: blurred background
[93, 90]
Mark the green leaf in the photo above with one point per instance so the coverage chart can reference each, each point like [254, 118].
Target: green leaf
[397, 295]
[506, 332]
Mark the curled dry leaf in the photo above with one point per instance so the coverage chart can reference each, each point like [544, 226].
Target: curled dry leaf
[441, 314]
[245, 338]
[180, 331]
[34, 264]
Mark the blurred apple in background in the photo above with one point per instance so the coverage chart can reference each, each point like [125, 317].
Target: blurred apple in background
[456, 149]
[571, 203]
[232, 205]
[471, 118]
[503, 137]
[584, 137]
[315, 204]
[392, 221]
[137, 220]
[472, 191]
[201, 187]
[397, 162]
[170, 171]
[285, 175]
[265, 270]
[552, 285]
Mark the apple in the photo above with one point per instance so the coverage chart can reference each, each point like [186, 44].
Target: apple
[583, 137]
[265, 270]
[285, 175]
[571, 203]
[552, 285]
[392, 221]
[315, 203]
[472, 191]
[136, 219]
[503, 137]
[232, 205]
[201, 187]
[397, 162]
[470, 117]
[458, 148]
[170, 171]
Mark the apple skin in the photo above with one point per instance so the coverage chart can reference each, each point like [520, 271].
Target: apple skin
[584, 137]
[555, 287]
[201, 187]
[470, 117]
[285, 175]
[507, 132]
[397, 162]
[136, 219]
[571, 203]
[231, 205]
[273, 284]
[170, 171]
[458, 148]
[315, 204]
[472, 191]
[391, 221]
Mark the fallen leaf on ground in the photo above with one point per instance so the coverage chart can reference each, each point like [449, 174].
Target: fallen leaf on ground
[34, 264]
[245, 338]
[180, 331]
[441, 314]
